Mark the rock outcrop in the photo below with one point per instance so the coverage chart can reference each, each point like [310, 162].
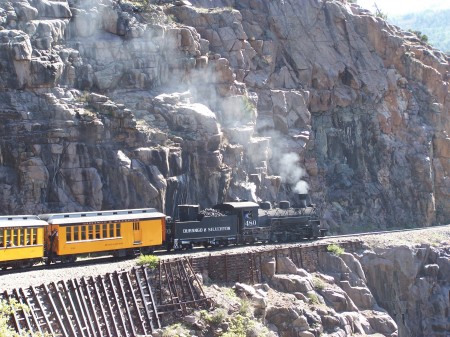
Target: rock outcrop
[412, 284]
[340, 302]
[399, 291]
[114, 104]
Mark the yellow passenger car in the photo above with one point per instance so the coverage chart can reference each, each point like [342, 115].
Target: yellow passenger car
[121, 232]
[21, 240]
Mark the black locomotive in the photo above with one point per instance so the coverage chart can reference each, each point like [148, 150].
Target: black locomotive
[243, 222]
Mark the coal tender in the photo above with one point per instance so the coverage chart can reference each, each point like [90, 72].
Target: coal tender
[206, 228]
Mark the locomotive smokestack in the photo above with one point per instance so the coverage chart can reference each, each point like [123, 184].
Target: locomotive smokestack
[302, 199]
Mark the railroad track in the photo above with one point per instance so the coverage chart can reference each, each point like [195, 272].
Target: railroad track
[86, 261]
[116, 304]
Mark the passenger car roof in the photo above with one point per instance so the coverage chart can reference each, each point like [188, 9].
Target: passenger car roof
[112, 216]
[21, 221]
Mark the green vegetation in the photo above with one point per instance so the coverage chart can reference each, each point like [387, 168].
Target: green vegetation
[318, 283]
[379, 13]
[150, 12]
[230, 293]
[149, 261]
[139, 3]
[420, 36]
[335, 249]
[245, 308]
[430, 24]
[313, 298]
[84, 97]
[233, 317]
[175, 330]
[239, 326]
[6, 309]
[248, 106]
[214, 318]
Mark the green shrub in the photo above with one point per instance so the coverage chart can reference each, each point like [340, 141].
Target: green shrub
[239, 326]
[313, 298]
[420, 36]
[379, 13]
[175, 330]
[230, 293]
[335, 249]
[6, 309]
[245, 308]
[318, 283]
[150, 261]
[214, 318]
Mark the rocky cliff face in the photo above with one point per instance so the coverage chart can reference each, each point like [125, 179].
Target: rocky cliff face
[413, 286]
[109, 104]
[396, 291]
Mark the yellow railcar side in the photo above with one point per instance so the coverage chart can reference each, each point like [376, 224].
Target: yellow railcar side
[8, 254]
[121, 232]
[82, 238]
[18, 243]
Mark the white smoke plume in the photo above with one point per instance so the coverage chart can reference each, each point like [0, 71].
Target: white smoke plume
[291, 172]
[250, 189]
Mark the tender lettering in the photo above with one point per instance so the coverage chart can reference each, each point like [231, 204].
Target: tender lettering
[193, 230]
[206, 230]
[219, 229]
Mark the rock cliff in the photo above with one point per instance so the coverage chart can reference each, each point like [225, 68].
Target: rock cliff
[395, 291]
[114, 104]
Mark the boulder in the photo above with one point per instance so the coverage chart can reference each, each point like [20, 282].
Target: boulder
[291, 283]
[338, 299]
[361, 296]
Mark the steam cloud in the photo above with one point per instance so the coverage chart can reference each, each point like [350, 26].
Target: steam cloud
[291, 172]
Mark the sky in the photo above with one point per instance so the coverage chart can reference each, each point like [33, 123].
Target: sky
[399, 7]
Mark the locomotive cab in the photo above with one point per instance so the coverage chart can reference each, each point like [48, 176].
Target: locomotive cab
[249, 227]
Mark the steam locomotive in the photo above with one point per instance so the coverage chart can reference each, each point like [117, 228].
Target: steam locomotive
[243, 223]
[62, 237]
